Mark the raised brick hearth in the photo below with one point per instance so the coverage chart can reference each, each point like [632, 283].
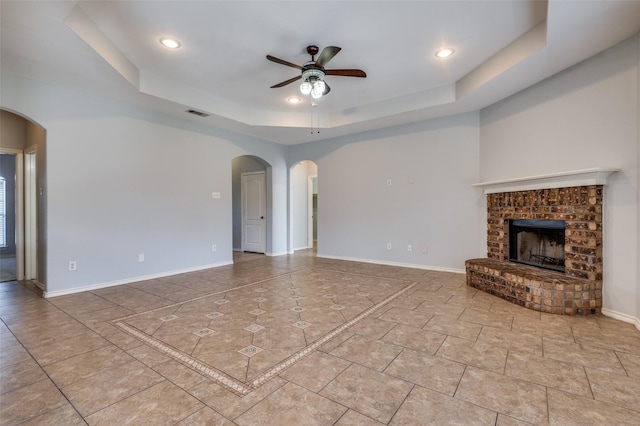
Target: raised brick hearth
[577, 291]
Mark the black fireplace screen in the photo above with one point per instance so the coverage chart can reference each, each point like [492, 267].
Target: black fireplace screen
[538, 243]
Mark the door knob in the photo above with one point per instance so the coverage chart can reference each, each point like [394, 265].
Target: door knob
[261, 217]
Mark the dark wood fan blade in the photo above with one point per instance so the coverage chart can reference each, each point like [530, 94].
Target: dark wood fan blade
[327, 54]
[284, 83]
[283, 62]
[346, 73]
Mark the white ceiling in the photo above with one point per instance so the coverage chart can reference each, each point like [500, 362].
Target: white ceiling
[111, 48]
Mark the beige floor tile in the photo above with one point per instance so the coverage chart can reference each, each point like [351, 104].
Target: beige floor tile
[66, 348]
[491, 319]
[15, 376]
[315, 371]
[381, 400]
[179, 374]
[163, 403]
[428, 371]
[548, 372]
[205, 416]
[292, 405]
[29, 402]
[12, 353]
[229, 404]
[86, 365]
[370, 353]
[509, 421]
[353, 418]
[631, 363]
[372, 327]
[615, 389]
[415, 338]
[463, 323]
[587, 356]
[403, 316]
[93, 393]
[515, 398]
[65, 415]
[569, 409]
[426, 407]
[521, 342]
[480, 355]
[453, 327]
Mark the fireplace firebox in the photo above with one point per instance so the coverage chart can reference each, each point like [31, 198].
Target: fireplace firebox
[537, 243]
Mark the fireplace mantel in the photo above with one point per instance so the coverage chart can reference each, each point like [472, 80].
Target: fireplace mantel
[586, 177]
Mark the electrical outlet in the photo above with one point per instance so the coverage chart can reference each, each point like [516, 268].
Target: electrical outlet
[215, 195]
[388, 182]
[141, 257]
[213, 247]
[73, 265]
[388, 246]
[409, 247]
[411, 180]
[424, 249]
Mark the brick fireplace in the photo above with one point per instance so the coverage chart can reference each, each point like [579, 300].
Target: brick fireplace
[577, 290]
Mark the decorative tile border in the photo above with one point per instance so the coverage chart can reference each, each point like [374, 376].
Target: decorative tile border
[226, 381]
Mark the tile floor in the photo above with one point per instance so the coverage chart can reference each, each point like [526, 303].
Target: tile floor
[373, 345]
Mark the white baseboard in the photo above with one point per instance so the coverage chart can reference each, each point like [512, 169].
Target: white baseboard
[622, 317]
[404, 265]
[47, 294]
[280, 253]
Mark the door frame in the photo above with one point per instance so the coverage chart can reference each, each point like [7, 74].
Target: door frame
[31, 213]
[310, 210]
[242, 209]
[19, 209]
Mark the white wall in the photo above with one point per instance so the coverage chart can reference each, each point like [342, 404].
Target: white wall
[124, 181]
[582, 118]
[299, 201]
[358, 213]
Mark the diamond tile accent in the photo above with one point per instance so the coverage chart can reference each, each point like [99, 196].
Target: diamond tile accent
[324, 287]
[250, 350]
[363, 294]
[254, 328]
[221, 302]
[337, 307]
[296, 297]
[214, 315]
[204, 332]
[168, 318]
[260, 299]
[257, 312]
[329, 296]
[301, 324]
[261, 289]
[298, 309]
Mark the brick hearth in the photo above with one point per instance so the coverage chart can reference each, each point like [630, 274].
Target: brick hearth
[577, 291]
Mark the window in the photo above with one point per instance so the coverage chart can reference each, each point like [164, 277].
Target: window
[3, 213]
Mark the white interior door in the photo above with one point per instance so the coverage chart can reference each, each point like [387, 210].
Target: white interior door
[254, 231]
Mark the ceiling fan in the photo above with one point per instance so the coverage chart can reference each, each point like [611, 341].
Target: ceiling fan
[313, 72]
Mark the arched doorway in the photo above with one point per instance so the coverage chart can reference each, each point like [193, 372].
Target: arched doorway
[22, 199]
[251, 204]
[304, 205]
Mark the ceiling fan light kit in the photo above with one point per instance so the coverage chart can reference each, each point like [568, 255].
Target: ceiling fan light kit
[313, 72]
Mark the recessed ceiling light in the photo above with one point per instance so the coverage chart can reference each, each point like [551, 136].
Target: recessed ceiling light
[445, 53]
[169, 42]
[294, 100]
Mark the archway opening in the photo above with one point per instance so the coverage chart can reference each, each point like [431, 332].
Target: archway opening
[251, 205]
[22, 199]
[304, 205]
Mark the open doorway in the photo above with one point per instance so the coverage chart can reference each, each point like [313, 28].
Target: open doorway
[251, 204]
[304, 205]
[10, 223]
[22, 199]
